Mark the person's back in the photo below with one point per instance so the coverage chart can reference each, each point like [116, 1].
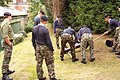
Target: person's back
[114, 23]
[36, 20]
[69, 30]
[67, 36]
[43, 49]
[42, 36]
[82, 31]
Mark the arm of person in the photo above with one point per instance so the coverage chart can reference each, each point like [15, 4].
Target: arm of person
[109, 31]
[76, 39]
[79, 35]
[48, 40]
[33, 40]
[6, 39]
[55, 24]
[5, 34]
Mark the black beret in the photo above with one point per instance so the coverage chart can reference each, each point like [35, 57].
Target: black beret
[43, 13]
[6, 14]
[106, 15]
[119, 6]
[45, 18]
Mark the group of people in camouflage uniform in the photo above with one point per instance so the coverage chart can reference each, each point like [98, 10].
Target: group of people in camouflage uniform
[70, 36]
[43, 45]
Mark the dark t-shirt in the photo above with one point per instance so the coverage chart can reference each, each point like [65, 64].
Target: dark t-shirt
[40, 35]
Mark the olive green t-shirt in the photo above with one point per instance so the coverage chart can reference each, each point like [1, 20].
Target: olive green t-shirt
[6, 29]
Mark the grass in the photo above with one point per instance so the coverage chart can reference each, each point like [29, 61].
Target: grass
[105, 67]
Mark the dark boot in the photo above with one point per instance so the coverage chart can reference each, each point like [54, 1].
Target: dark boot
[58, 47]
[83, 61]
[53, 79]
[117, 53]
[10, 72]
[76, 59]
[62, 59]
[118, 56]
[42, 78]
[92, 59]
[6, 77]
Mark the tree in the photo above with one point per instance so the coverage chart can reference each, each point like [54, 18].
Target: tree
[4, 2]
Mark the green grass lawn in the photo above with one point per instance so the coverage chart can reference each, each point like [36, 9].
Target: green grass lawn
[105, 67]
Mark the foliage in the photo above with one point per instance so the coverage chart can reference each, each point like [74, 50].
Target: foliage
[90, 12]
[36, 5]
[18, 38]
[29, 26]
[4, 2]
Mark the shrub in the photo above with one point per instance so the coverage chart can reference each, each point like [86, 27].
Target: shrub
[29, 26]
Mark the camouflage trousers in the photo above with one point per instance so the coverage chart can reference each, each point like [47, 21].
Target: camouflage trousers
[7, 57]
[43, 52]
[116, 43]
[64, 39]
[57, 35]
[87, 38]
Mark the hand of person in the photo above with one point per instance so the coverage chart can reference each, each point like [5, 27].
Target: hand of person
[106, 32]
[11, 46]
[117, 28]
[78, 41]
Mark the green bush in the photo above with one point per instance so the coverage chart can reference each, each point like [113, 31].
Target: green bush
[18, 38]
[29, 26]
[90, 12]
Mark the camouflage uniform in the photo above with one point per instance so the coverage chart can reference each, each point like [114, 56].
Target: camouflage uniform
[116, 44]
[43, 52]
[64, 39]
[57, 35]
[87, 38]
[58, 30]
[43, 49]
[6, 32]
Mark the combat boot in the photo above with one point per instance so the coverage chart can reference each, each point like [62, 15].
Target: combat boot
[118, 56]
[62, 59]
[10, 72]
[42, 78]
[83, 61]
[58, 47]
[6, 77]
[53, 79]
[76, 59]
[117, 53]
[92, 59]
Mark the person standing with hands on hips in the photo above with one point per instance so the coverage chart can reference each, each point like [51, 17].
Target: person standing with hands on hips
[44, 49]
[7, 35]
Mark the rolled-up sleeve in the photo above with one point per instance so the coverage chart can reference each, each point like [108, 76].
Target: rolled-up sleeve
[5, 31]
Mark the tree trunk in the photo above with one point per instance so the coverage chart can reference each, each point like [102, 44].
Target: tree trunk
[56, 8]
